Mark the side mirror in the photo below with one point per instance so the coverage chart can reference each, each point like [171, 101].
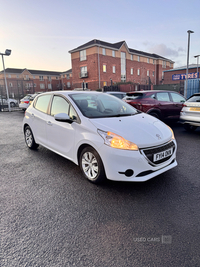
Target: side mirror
[8, 52]
[63, 117]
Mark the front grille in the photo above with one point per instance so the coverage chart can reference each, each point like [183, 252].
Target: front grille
[148, 153]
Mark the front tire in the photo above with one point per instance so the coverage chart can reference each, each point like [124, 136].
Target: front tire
[91, 165]
[29, 138]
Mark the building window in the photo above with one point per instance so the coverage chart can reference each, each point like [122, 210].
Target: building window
[33, 76]
[131, 71]
[68, 85]
[49, 78]
[27, 77]
[147, 60]
[67, 76]
[138, 72]
[34, 85]
[82, 55]
[162, 75]
[148, 73]
[104, 51]
[17, 76]
[136, 87]
[57, 78]
[9, 75]
[153, 61]
[123, 66]
[42, 86]
[164, 64]
[104, 68]
[113, 53]
[153, 73]
[10, 84]
[41, 78]
[104, 83]
[138, 58]
[49, 86]
[83, 72]
[131, 57]
[113, 69]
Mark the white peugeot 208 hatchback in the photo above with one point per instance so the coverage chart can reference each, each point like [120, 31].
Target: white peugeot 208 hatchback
[102, 134]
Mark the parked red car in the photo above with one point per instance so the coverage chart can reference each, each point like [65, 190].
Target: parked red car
[158, 103]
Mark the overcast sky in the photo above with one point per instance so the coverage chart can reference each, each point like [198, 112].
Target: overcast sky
[41, 32]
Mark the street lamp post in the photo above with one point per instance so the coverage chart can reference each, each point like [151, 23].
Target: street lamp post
[189, 31]
[7, 53]
[197, 56]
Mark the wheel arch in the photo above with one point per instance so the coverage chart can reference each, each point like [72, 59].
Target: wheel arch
[153, 110]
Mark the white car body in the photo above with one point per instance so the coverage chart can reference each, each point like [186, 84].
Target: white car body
[66, 139]
[190, 113]
[24, 102]
[13, 102]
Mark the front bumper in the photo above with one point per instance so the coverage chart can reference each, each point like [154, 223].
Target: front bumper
[122, 165]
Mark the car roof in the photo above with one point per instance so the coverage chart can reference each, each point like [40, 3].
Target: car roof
[115, 92]
[152, 91]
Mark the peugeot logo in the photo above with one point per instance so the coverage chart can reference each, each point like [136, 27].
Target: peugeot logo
[159, 137]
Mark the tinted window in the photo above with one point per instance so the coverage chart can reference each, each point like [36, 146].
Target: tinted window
[163, 97]
[134, 96]
[177, 98]
[42, 103]
[59, 105]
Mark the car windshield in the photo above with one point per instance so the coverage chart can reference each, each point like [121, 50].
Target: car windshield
[195, 98]
[100, 105]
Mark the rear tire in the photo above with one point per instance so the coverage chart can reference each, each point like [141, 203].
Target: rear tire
[189, 128]
[29, 138]
[91, 165]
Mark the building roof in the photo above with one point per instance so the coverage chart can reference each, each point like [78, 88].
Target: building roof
[191, 66]
[116, 46]
[34, 72]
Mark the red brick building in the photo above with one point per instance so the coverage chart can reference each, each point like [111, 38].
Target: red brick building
[97, 64]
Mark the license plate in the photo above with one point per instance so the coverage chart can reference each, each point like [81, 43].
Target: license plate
[162, 155]
[195, 109]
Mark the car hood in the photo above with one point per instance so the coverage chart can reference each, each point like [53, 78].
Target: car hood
[142, 129]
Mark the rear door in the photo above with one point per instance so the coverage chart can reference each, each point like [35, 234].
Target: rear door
[178, 101]
[164, 104]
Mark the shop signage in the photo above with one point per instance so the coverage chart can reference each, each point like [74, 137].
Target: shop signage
[193, 75]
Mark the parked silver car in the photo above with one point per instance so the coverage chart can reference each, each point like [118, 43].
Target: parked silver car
[190, 113]
[13, 102]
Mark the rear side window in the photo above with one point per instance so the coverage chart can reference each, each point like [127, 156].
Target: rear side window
[163, 97]
[42, 103]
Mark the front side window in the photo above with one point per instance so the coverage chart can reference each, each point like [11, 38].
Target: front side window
[42, 103]
[177, 98]
[82, 55]
[59, 105]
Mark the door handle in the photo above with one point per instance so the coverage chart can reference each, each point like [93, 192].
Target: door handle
[49, 123]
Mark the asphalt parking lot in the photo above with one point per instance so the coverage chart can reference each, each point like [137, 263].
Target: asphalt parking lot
[52, 216]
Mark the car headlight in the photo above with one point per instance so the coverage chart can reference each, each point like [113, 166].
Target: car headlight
[117, 141]
[172, 133]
